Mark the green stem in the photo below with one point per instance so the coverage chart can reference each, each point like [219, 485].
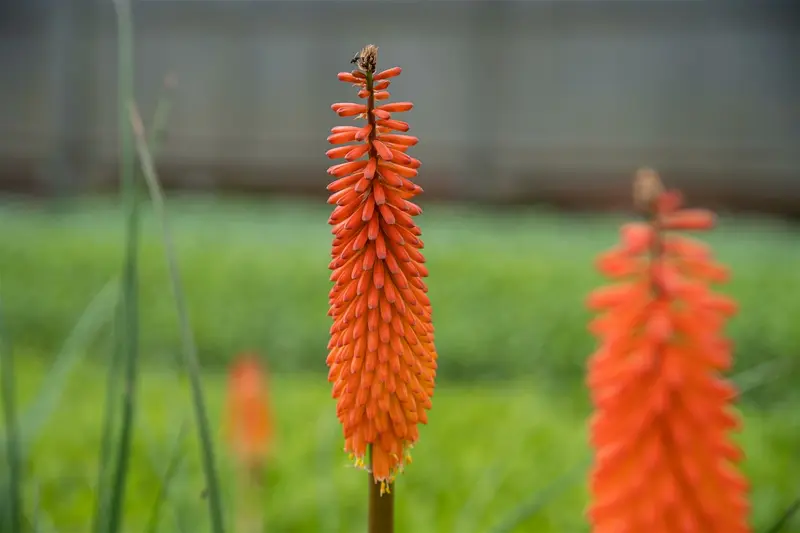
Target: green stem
[174, 463]
[187, 338]
[112, 379]
[381, 506]
[130, 311]
[12, 429]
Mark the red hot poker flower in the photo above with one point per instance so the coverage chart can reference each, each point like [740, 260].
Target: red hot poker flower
[664, 462]
[382, 357]
[249, 422]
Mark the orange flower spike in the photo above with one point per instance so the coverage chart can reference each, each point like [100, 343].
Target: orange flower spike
[664, 461]
[382, 358]
[249, 422]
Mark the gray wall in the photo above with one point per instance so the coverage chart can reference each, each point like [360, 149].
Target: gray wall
[513, 99]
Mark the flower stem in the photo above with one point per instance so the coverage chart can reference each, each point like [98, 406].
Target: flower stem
[373, 132]
[381, 506]
[381, 502]
[13, 504]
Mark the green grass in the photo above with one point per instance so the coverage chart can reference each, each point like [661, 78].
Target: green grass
[507, 286]
[508, 420]
[485, 450]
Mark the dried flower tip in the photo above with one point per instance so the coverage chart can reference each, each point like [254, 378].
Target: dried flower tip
[647, 188]
[367, 58]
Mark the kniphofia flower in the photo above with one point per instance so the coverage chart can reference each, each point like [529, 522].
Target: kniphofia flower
[664, 461]
[382, 357]
[249, 423]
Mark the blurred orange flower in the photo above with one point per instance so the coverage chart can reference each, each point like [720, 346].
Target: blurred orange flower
[382, 357]
[664, 462]
[249, 421]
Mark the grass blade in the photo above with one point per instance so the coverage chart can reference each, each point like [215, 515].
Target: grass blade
[101, 511]
[130, 311]
[542, 498]
[40, 523]
[160, 115]
[759, 375]
[13, 492]
[35, 521]
[187, 338]
[73, 349]
[784, 519]
[479, 497]
[169, 474]
[106, 440]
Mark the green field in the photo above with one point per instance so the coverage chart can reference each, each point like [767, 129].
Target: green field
[507, 289]
[486, 451]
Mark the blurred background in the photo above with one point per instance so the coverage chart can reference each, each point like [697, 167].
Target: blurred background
[532, 118]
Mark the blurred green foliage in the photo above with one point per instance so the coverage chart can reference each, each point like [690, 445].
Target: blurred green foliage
[509, 414]
[507, 287]
[486, 450]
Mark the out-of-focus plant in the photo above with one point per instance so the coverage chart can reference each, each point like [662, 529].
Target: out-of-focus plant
[123, 371]
[249, 432]
[663, 457]
[382, 356]
[188, 346]
[10, 489]
[249, 422]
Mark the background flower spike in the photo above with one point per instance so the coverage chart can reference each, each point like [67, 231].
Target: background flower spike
[663, 457]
